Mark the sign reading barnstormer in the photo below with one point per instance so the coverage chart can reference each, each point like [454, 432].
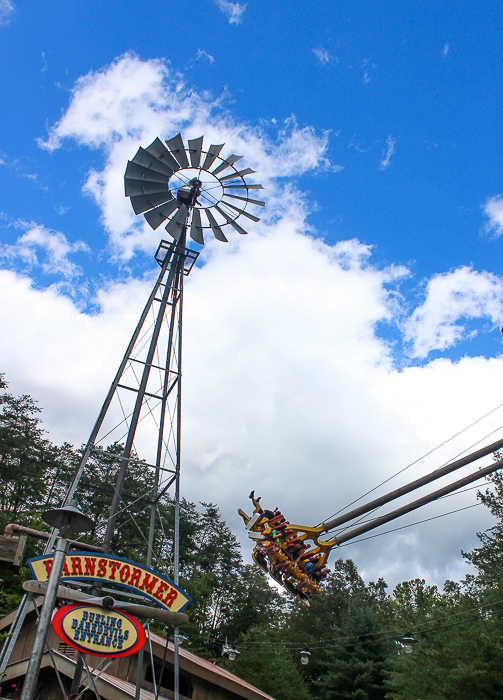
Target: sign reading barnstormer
[122, 572]
[97, 631]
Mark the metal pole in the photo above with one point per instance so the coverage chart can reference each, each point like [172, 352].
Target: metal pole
[169, 355]
[139, 402]
[176, 664]
[420, 502]
[31, 678]
[22, 610]
[437, 474]
[10, 642]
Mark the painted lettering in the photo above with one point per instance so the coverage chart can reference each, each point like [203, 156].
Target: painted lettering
[147, 584]
[125, 571]
[76, 566]
[48, 566]
[162, 587]
[114, 565]
[90, 566]
[66, 570]
[75, 622]
[170, 598]
[135, 577]
[102, 567]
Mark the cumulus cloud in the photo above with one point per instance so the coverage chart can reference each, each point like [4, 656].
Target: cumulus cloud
[131, 102]
[46, 248]
[493, 209]
[451, 297]
[322, 55]
[286, 377]
[387, 152]
[232, 10]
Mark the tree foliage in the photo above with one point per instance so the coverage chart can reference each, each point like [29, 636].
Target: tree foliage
[351, 629]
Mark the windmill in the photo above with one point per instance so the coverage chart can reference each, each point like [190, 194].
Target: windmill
[142, 409]
[156, 175]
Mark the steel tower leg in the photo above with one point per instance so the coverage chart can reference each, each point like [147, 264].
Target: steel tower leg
[176, 263]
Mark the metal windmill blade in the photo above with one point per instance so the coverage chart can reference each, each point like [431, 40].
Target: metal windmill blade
[189, 189]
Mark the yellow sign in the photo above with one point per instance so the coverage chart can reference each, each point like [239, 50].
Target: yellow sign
[97, 631]
[100, 567]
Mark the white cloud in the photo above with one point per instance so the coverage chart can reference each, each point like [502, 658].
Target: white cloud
[322, 55]
[367, 65]
[460, 295]
[39, 246]
[286, 379]
[388, 152]
[131, 102]
[201, 54]
[7, 10]
[493, 209]
[232, 10]
[445, 50]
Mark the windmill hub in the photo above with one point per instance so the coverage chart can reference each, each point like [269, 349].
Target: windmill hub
[212, 191]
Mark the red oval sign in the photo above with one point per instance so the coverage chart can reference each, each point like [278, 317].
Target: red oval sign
[99, 632]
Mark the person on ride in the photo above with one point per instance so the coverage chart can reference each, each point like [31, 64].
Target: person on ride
[189, 193]
[268, 514]
[294, 548]
[274, 537]
[309, 568]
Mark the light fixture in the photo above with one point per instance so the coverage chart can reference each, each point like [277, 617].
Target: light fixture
[304, 656]
[407, 641]
[229, 652]
[68, 519]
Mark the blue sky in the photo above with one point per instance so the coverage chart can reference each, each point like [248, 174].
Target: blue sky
[376, 131]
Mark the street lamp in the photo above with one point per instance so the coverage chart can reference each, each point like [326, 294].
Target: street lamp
[68, 519]
[229, 652]
[407, 641]
[304, 656]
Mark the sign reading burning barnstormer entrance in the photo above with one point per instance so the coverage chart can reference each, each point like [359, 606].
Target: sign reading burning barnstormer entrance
[122, 572]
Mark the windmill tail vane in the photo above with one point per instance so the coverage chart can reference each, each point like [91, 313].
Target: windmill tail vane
[190, 188]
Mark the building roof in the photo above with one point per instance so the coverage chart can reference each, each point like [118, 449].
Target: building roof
[205, 669]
